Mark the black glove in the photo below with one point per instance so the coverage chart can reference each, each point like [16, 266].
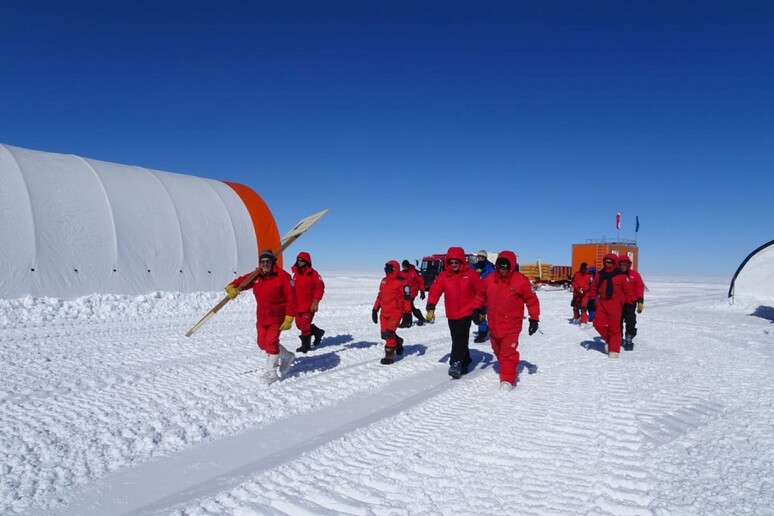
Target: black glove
[375, 316]
[478, 316]
[591, 306]
[421, 294]
[406, 322]
[533, 326]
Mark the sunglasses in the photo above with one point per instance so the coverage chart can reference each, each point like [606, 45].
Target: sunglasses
[454, 262]
[607, 261]
[503, 266]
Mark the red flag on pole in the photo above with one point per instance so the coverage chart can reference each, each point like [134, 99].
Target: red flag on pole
[618, 220]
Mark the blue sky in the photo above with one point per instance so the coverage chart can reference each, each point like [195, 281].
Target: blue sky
[497, 125]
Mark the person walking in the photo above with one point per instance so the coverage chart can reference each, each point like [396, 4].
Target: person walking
[484, 268]
[458, 284]
[580, 296]
[416, 286]
[610, 289]
[591, 303]
[393, 301]
[309, 289]
[633, 305]
[275, 310]
[505, 294]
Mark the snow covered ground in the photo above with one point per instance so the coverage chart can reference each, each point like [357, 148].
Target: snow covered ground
[107, 408]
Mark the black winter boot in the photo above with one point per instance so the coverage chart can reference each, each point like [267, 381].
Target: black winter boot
[481, 337]
[389, 356]
[399, 347]
[305, 343]
[628, 345]
[318, 335]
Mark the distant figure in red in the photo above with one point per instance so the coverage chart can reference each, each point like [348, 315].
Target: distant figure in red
[275, 310]
[394, 301]
[309, 288]
[634, 304]
[504, 294]
[610, 289]
[458, 283]
[416, 286]
[580, 296]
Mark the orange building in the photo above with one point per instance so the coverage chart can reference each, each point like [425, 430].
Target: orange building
[593, 250]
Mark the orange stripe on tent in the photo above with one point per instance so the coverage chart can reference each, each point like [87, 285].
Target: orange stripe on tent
[266, 233]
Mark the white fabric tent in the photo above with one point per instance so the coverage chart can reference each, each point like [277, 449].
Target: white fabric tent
[755, 275]
[71, 226]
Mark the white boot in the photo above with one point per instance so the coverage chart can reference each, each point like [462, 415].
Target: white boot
[506, 386]
[286, 360]
[612, 354]
[270, 376]
[584, 325]
[607, 348]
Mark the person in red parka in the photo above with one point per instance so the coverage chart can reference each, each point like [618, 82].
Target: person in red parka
[394, 301]
[610, 289]
[634, 304]
[416, 286]
[580, 295]
[275, 310]
[309, 288]
[458, 284]
[504, 294]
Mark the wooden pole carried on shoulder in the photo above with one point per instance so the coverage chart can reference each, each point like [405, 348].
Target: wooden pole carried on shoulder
[290, 237]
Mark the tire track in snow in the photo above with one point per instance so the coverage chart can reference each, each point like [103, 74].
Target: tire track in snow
[158, 485]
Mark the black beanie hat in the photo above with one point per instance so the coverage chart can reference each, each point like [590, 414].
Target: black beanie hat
[405, 263]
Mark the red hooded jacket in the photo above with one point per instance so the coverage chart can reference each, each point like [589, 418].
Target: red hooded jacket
[505, 297]
[459, 289]
[307, 283]
[394, 298]
[414, 280]
[274, 296]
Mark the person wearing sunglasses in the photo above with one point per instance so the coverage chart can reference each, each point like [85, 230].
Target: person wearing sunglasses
[633, 305]
[394, 302]
[417, 286]
[580, 296]
[275, 310]
[484, 268]
[504, 294]
[458, 284]
[610, 289]
[309, 288]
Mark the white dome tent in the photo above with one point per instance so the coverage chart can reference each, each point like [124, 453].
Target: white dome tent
[72, 226]
[755, 275]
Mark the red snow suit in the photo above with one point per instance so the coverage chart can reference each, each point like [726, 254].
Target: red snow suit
[504, 296]
[414, 280]
[392, 301]
[580, 295]
[309, 287]
[274, 299]
[459, 289]
[610, 289]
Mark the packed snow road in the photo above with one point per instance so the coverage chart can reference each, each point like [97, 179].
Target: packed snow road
[107, 408]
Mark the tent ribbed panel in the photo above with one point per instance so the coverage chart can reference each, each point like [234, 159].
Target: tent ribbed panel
[88, 226]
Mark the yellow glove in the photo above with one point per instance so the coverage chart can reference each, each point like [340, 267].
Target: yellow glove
[430, 316]
[315, 307]
[640, 307]
[287, 323]
[232, 291]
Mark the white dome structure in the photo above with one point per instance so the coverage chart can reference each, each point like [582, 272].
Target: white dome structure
[755, 275]
[72, 226]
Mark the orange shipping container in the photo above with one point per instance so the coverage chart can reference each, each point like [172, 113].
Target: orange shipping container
[592, 252]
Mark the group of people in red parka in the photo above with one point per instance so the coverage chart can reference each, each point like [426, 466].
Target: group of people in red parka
[503, 295]
[281, 300]
[501, 298]
[616, 295]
